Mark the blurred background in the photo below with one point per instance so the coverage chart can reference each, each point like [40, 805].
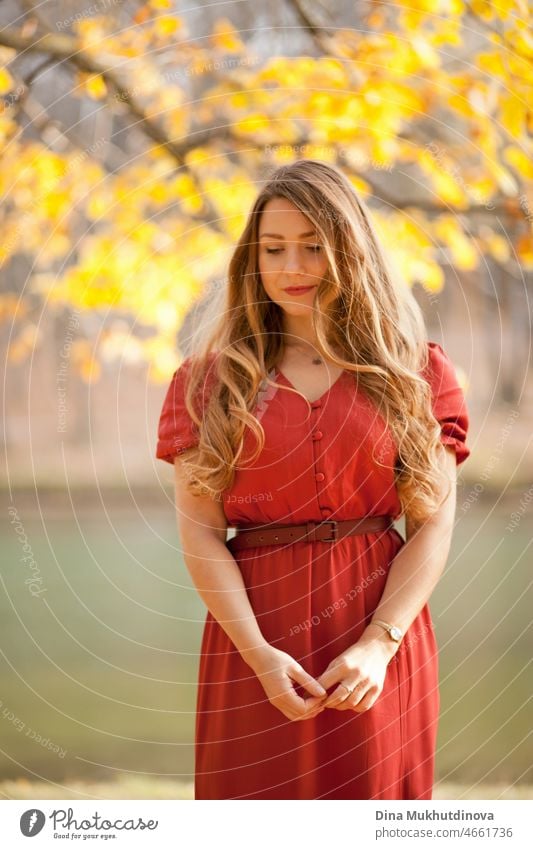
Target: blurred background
[134, 139]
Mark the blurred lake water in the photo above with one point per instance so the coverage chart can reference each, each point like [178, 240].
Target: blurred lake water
[101, 627]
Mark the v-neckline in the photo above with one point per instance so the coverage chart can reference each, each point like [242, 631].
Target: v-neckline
[324, 394]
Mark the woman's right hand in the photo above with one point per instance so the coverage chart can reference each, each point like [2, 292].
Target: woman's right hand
[277, 671]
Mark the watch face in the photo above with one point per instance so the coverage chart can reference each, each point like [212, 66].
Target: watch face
[395, 633]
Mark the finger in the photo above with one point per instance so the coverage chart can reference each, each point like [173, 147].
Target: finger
[315, 703]
[331, 676]
[352, 701]
[287, 712]
[291, 701]
[345, 705]
[340, 694]
[364, 704]
[312, 706]
[311, 712]
[307, 681]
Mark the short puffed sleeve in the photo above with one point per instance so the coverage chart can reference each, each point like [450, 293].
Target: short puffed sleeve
[448, 400]
[177, 431]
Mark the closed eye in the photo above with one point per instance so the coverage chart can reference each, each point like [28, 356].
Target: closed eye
[313, 248]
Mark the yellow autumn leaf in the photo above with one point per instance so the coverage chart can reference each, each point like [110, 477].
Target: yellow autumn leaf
[520, 161]
[464, 254]
[98, 205]
[449, 231]
[429, 58]
[226, 37]
[493, 63]
[481, 189]
[166, 25]
[449, 189]
[513, 114]
[6, 81]
[429, 274]
[239, 100]
[360, 185]
[161, 4]
[411, 20]
[158, 193]
[433, 279]
[447, 33]
[383, 152]
[453, 7]
[56, 204]
[498, 246]
[524, 249]
[95, 87]
[459, 103]
[199, 157]
[91, 33]
[483, 8]
[188, 193]
[252, 123]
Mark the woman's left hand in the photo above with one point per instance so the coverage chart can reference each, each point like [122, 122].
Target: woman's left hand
[363, 666]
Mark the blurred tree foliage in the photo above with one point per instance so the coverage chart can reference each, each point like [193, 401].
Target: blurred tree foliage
[438, 92]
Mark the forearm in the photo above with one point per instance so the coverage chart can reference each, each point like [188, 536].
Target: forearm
[218, 580]
[413, 575]
[418, 565]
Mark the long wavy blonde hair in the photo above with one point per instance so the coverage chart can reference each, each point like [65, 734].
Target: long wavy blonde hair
[361, 310]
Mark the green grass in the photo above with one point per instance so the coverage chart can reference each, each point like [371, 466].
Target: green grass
[104, 664]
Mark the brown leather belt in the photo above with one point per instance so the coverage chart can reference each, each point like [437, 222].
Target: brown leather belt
[329, 530]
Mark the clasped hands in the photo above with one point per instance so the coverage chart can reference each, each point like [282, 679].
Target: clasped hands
[361, 668]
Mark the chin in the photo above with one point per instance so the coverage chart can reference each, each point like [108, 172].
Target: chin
[296, 309]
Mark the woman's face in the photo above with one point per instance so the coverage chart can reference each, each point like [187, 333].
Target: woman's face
[291, 260]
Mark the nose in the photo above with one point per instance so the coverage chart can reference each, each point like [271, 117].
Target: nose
[294, 259]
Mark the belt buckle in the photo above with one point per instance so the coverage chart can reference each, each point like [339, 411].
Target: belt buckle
[334, 530]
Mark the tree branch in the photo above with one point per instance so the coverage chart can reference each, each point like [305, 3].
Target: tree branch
[66, 49]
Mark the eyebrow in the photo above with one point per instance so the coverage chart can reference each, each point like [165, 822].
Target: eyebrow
[279, 236]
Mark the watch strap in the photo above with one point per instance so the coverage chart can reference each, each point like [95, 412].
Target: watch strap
[386, 626]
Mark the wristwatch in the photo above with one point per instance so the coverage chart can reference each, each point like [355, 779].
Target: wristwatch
[393, 631]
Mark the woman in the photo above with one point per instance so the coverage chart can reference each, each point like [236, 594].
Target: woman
[317, 405]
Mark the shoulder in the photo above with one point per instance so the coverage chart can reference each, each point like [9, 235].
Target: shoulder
[208, 368]
[179, 383]
[177, 430]
[447, 391]
[438, 369]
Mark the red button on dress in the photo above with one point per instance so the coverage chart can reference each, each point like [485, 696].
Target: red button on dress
[320, 476]
[313, 600]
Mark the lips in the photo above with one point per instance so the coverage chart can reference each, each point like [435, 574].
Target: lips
[298, 290]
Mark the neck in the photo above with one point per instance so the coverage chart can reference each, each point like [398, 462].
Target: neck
[298, 330]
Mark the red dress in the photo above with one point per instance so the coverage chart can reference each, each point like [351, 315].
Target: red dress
[314, 599]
